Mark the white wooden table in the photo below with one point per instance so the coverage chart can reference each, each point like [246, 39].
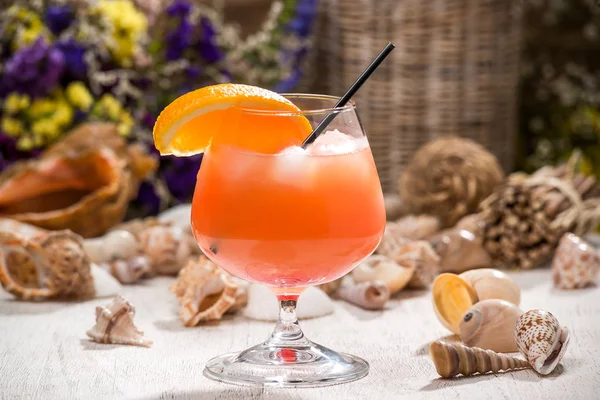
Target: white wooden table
[45, 354]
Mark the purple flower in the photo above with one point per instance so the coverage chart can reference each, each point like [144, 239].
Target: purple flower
[58, 18]
[305, 15]
[34, 70]
[207, 47]
[180, 176]
[179, 8]
[179, 39]
[73, 54]
[148, 198]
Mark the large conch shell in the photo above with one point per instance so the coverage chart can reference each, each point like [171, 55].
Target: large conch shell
[490, 325]
[381, 268]
[575, 264]
[83, 183]
[204, 291]
[52, 265]
[368, 295]
[453, 295]
[541, 339]
[452, 359]
[114, 325]
[460, 251]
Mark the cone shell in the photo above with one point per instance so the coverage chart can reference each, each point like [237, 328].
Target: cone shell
[452, 359]
[575, 264]
[490, 325]
[541, 339]
[368, 295]
[384, 269]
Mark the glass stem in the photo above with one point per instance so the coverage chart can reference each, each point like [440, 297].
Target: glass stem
[287, 331]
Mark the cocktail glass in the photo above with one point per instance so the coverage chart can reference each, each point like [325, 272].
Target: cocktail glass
[288, 221]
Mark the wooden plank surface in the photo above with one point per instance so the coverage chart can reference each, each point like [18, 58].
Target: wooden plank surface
[45, 354]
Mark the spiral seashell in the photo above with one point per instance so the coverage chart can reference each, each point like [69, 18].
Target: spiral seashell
[115, 245]
[128, 271]
[452, 359]
[489, 325]
[167, 247]
[368, 295]
[421, 257]
[575, 264]
[541, 339]
[381, 268]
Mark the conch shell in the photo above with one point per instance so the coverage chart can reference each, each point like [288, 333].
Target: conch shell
[490, 325]
[52, 265]
[422, 259]
[368, 295]
[83, 183]
[204, 291]
[460, 251]
[452, 359]
[414, 227]
[384, 269]
[575, 264]
[541, 339]
[114, 324]
[453, 295]
[167, 247]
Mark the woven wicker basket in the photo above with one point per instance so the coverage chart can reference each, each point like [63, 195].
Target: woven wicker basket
[454, 72]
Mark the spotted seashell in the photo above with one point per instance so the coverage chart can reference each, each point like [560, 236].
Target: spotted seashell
[575, 264]
[541, 339]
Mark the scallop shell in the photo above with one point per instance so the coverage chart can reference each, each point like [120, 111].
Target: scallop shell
[460, 251]
[130, 270]
[262, 304]
[167, 247]
[453, 294]
[384, 269]
[115, 245]
[490, 325]
[368, 295]
[420, 257]
[575, 264]
[114, 325]
[204, 291]
[414, 227]
[452, 359]
[541, 339]
[62, 268]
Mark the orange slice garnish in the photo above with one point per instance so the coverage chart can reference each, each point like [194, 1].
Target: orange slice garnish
[215, 114]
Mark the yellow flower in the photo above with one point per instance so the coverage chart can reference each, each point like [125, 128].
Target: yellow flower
[45, 128]
[79, 95]
[125, 124]
[25, 143]
[63, 115]
[12, 126]
[12, 104]
[25, 101]
[28, 27]
[42, 107]
[110, 106]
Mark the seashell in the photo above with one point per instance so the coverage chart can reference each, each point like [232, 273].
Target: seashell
[414, 227]
[138, 225]
[368, 295]
[179, 215]
[452, 359]
[453, 294]
[470, 223]
[106, 284]
[114, 325]
[575, 264]
[59, 263]
[541, 339]
[167, 247]
[384, 269]
[263, 306]
[490, 325]
[460, 251]
[420, 257]
[130, 270]
[390, 242]
[331, 287]
[115, 245]
[75, 184]
[27, 231]
[204, 291]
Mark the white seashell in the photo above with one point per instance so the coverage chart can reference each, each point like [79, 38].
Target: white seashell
[130, 270]
[575, 264]
[381, 268]
[106, 284]
[168, 248]
[490, 283]
[114, 324]
[262, 304]
[179, 216]
[23, 229]
[368, 295]
[115, 245]
[490, 325]
[541, 339]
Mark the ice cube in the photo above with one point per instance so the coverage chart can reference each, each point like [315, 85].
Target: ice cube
[292, 166]
[336, 142]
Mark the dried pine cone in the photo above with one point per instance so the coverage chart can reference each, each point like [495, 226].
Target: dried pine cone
[448, 178]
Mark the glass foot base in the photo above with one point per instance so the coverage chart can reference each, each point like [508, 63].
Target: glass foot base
[310, 365]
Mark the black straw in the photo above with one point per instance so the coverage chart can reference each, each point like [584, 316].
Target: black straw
[346, 97]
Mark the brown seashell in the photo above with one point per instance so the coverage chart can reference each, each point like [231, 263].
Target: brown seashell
[130, 270]
[471, 223]
[414, 227]
[60, 262]
[114, 325]
[204, 291]
[167, 247]
[368, 295]
[381, 268]
[575, 264]
[490, 325]
[460, 251]
[421, 257]
[76, 184]
[541, 339]
[452, 359]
